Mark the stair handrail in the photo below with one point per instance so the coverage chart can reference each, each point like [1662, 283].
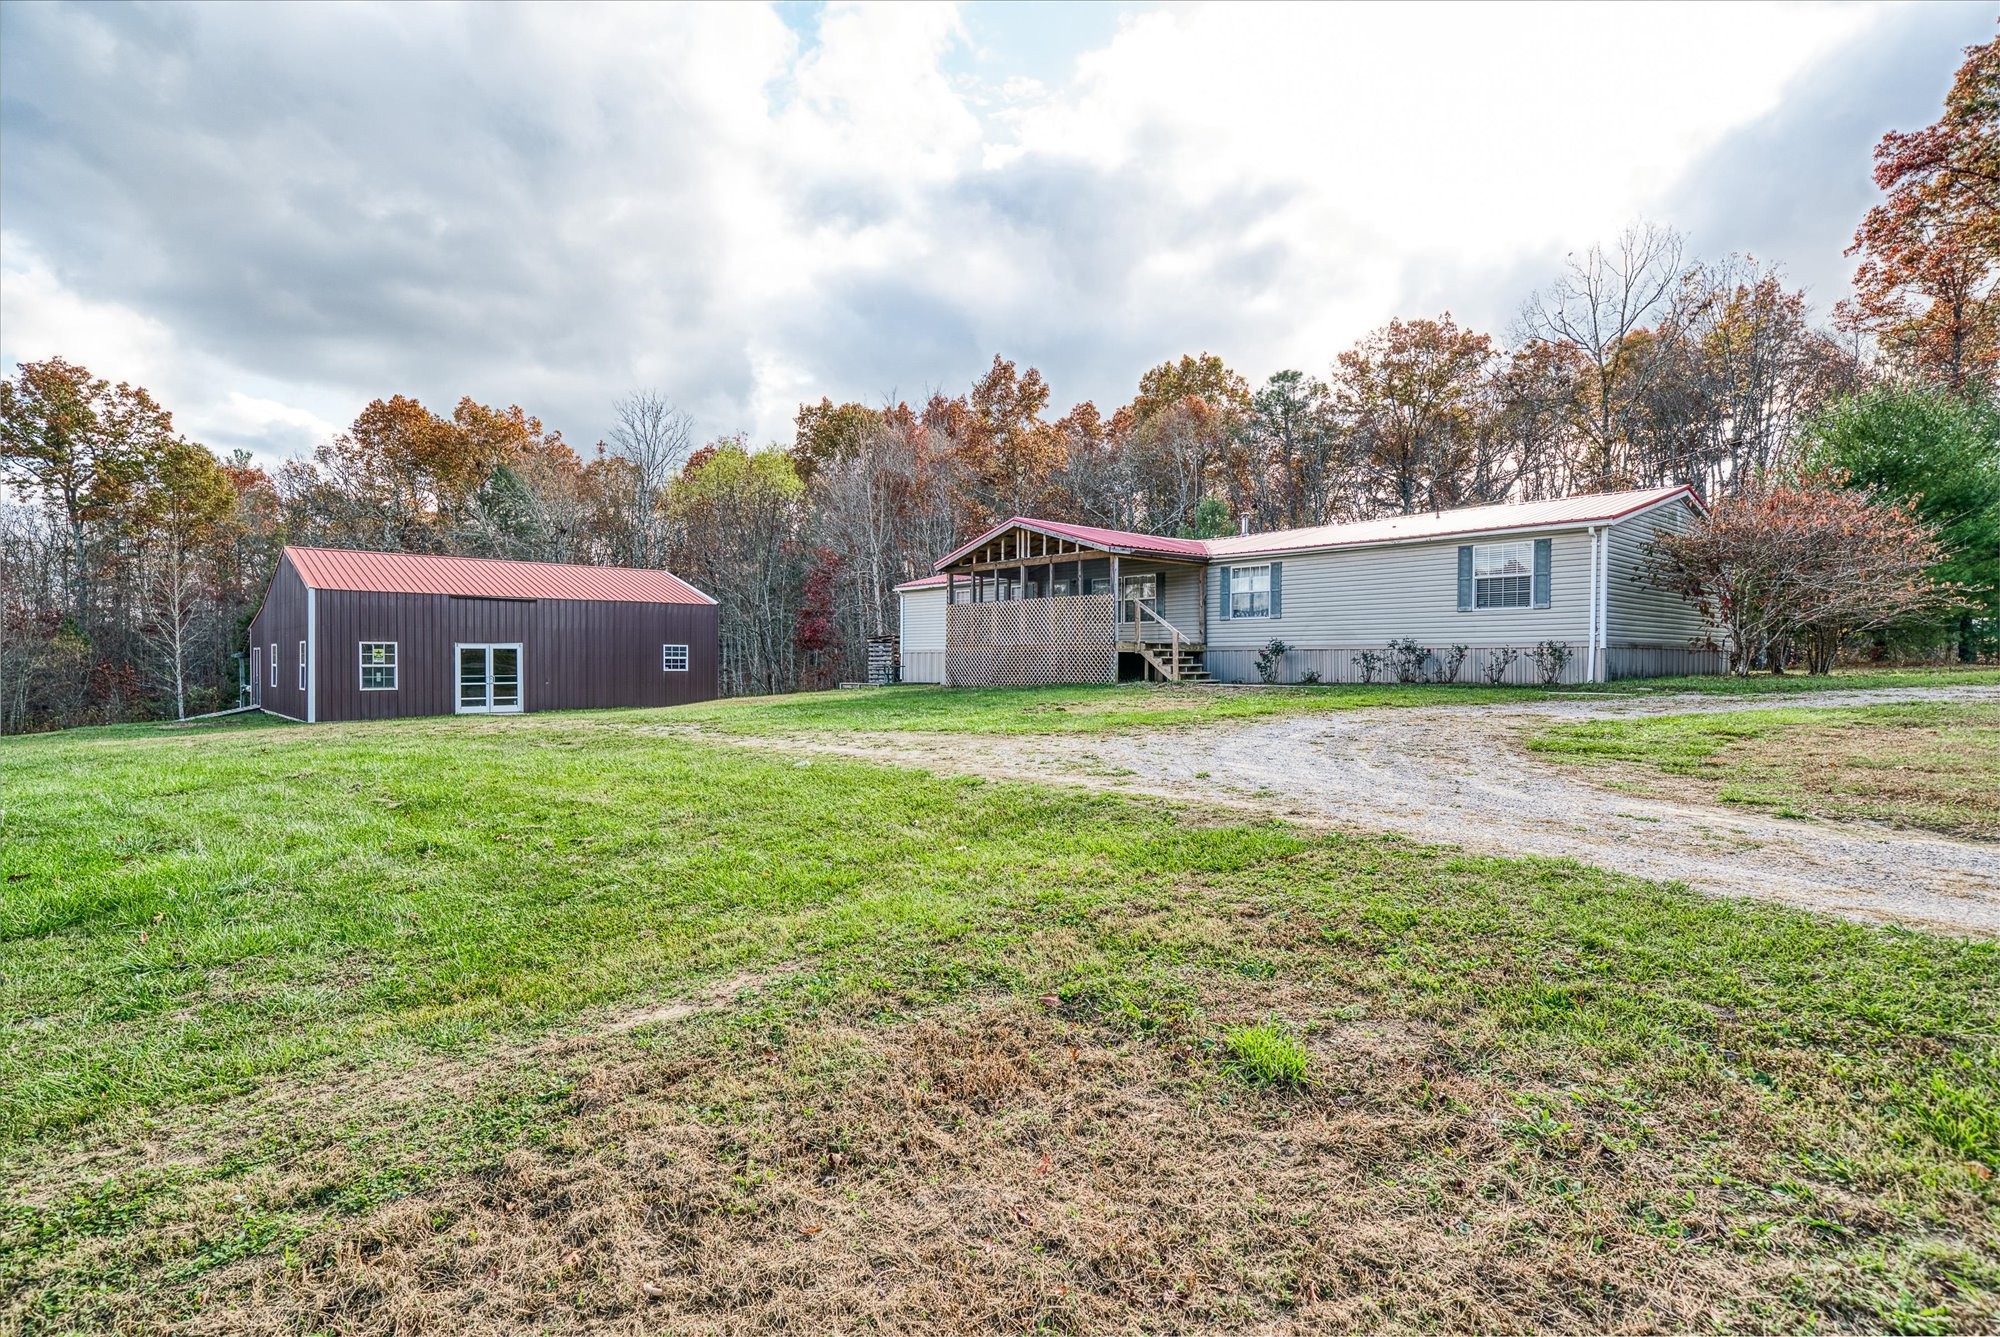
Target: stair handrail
[1175, 632]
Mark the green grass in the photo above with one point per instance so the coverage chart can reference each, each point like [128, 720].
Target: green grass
[1092, 709]
[1841, 680]
[1048, 710]
[1932, 765]
[1266, 1053]
[262, 985]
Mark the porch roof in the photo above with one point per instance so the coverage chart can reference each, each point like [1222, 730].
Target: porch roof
[1121, 541]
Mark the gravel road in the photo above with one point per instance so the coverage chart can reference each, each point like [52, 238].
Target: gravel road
[1458, 775]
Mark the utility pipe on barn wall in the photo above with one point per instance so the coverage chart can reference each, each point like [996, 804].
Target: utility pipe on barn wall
[312, 655]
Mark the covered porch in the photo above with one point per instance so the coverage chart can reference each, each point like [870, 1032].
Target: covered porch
[1030, 602]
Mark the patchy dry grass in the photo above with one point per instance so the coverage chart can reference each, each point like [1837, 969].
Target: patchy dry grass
[483, 1026]
[1930, 765]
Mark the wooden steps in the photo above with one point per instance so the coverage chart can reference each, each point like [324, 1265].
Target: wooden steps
[1173, 662]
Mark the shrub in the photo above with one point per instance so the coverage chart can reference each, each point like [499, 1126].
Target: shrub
[1450, 662]
[1369, 663]
[1411, 660]
[1551, 658]
[1264, 1053]
[1498, 663]
[1270, 659]
[1310, 678]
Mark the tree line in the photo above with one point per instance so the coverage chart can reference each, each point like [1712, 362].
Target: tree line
[133, 559]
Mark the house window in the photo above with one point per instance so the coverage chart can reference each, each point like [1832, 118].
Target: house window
[1250, 591]
[302, 666]
[674, 658]
[274, 663]
[378, 666]
[1503, 575]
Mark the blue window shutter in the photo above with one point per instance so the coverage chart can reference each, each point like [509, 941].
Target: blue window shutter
[1465, 578]
[1277, 589]
[1542, 547]
[1222, 592]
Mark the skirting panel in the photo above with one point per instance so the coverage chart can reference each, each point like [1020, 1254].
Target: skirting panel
[923, 666]
[1339, 664]
[1067, 638]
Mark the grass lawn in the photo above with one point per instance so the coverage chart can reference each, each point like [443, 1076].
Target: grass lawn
[1092, 709]
[1932, 765]
[481, 1025]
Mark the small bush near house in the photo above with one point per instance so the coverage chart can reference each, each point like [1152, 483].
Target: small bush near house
[1369, 663]
[1269, 660]
[1310, 678]
[1551, 658]
[1450, 662]
[1498, 663]
[1411, 660]
[1264, 1053]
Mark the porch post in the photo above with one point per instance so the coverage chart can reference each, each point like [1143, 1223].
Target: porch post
[1201, 623]
[950, 595]
[1117, 617]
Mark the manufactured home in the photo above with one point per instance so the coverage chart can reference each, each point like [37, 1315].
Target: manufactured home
[347, 635]
[1039, 601]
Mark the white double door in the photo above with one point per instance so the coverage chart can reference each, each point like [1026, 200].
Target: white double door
[489, 679]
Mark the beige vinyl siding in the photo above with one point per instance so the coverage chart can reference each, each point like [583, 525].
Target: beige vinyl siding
[1639, 611]
[1366, 597]
[923, 634]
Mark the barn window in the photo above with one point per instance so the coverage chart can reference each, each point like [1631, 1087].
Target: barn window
[1503, 575]
[274, 663]
[302, 666]
[378, 666]
[674, 658]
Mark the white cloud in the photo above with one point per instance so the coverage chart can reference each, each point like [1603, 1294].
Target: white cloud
[271, 215]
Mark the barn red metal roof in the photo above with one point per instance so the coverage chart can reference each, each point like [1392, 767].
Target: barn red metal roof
[486, 577]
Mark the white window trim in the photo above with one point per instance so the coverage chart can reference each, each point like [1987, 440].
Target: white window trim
[1528, 575]
[302, 666]
[274, 663]
[394, 666]
[666, 666]
[1235, 575]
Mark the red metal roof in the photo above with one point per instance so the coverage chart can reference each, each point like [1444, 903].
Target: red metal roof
[923, 583]
[1593, 509]
[486, 577]
[1596, 508]
[1110, 540]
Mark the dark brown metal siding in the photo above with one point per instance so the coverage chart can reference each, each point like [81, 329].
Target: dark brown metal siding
[575, 653]
[283, 620]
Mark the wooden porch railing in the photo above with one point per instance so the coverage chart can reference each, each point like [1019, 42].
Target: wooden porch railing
[1171, 670]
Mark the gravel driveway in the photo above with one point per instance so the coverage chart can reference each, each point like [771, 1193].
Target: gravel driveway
[1458, 775]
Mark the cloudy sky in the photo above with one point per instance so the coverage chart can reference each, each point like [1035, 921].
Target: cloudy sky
[269, 215]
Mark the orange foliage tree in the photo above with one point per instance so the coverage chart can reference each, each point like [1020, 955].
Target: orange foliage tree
[1925, 287]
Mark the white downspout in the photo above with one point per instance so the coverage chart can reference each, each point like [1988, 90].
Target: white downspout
[1604, 606]
[1591, 663]
[312, 656]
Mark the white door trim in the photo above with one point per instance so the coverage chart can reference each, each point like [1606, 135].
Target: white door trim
[458, 705]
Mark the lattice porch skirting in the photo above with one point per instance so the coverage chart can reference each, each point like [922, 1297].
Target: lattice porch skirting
[1067, 638]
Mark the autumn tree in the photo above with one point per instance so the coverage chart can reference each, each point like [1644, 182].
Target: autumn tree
[1186, 438]
[79, 444]
[184, 508]
[1413, 395]
[1601, 307]
[1304, 457]
[1925, 287]
[1802, 559]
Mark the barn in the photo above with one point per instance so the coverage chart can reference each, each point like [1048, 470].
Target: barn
[346, 635]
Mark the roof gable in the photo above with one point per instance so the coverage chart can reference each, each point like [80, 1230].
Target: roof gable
[485, 577]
